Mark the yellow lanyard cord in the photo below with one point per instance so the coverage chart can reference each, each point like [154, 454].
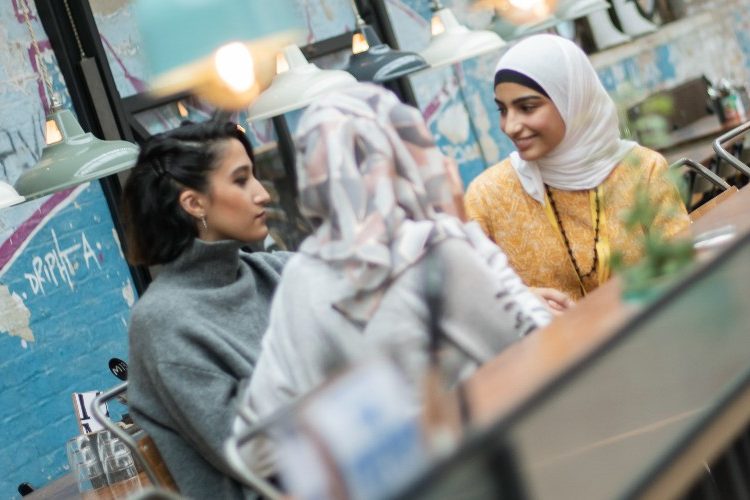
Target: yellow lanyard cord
[603, 249]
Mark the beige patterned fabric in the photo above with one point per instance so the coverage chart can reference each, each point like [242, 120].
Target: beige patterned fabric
[379, 194]
[519, 225]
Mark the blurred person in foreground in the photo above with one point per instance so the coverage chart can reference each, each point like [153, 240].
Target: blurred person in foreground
[386, 209]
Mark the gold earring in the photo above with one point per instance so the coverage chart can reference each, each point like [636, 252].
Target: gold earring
[203, 221]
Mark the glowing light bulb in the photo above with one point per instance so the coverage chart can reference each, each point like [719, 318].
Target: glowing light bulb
[359, 43]
[520, 11]
[234, 65]
[182, 110]
[436, 25]
[52, 132]
[282, 65]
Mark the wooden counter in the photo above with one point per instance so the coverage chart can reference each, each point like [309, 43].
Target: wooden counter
[522, 370]
[66, 488]
[595, 426]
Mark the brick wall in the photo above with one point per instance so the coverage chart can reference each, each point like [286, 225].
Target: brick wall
[65, 290]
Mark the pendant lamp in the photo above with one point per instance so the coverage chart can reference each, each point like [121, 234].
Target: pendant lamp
[71, 156]
[604, 32]
[453, 42]
[297, 84]
[510, 31]
[374, 61]
[631, 20]
[573, 9]
[222, 50]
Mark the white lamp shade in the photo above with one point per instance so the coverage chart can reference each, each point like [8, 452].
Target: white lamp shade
[632, 22]
[457, 42]
[604, 32]
[297, 87]
[9, 196]
[511, 31]
[573, 9]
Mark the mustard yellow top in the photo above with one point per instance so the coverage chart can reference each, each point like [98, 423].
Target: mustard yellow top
[528, 232]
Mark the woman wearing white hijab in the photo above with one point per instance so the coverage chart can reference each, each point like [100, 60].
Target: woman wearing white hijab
[555, 206]
[380, 196]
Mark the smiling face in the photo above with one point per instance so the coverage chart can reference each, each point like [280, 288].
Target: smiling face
[530, 119]
[234, 207]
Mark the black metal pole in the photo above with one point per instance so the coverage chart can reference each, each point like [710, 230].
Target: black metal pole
[83, 63]
[401, 86]
[285, 145]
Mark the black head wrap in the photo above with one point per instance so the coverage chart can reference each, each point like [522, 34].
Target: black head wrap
[510, 76]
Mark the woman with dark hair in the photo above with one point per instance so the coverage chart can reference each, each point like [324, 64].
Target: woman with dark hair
[190, 203]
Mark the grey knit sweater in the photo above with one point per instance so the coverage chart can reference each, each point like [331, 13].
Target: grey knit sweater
[194, 335]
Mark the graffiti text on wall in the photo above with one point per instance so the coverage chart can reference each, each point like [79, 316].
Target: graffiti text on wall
[58, 266]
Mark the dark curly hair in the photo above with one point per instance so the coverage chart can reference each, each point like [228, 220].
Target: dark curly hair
[157, 228]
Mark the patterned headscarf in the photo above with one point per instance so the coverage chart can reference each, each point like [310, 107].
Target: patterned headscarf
[377, 190]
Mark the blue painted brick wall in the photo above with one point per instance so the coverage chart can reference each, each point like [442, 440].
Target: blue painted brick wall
[77, 314]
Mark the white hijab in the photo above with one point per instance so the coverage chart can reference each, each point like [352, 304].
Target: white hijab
[591, 147]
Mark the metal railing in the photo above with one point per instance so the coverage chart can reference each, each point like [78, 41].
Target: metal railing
[726, 155]
[702, 171]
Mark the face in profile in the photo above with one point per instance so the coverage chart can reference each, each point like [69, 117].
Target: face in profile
[530, 119]
[236, 201]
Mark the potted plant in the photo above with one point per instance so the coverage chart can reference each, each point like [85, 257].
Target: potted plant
[663, 257]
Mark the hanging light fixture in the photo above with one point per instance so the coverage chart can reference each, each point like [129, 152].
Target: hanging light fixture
[604, 32]
[510, 31]
[573, 9]
[222, 50]
[71, 156]
[374, 61]
[297, 83]
[631, 20]
[452, 42]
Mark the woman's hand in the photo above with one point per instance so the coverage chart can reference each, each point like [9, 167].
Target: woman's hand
[556, 301]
